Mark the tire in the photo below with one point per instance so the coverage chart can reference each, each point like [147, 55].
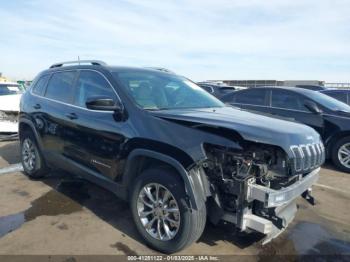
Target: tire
[29, 149]
[338, 152]
[191, 222]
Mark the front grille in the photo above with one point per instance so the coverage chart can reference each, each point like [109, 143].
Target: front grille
[308, 156]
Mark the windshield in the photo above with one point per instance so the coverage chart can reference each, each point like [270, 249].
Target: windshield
[9, 89]
[156, 90]
[328, 102]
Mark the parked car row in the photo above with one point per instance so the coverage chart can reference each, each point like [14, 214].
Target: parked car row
[179, 155]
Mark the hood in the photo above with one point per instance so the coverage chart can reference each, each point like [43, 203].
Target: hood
[252, 127]
[10, 102]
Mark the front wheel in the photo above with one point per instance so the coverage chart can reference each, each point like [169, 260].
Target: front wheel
[341, 154]
[161, 212]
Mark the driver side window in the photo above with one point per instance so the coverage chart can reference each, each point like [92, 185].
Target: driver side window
[287, 100]
[91, 84]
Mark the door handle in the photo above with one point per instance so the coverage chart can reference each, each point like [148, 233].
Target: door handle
[37, 106]
[71, 116]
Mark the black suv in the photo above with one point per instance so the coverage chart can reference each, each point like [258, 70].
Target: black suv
[328, 116]
[175, 152]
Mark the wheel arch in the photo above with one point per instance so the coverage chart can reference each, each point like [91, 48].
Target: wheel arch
[26, 125]
[331, 141]
[141, 159]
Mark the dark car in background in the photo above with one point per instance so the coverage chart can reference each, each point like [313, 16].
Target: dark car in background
[342, 95]
[328, 116]
[218, 90]
[175, 152]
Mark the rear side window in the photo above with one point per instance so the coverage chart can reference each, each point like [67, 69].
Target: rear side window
[60, 86]
[251, 97]
[40, 85]
[91, 84]
[287, 100]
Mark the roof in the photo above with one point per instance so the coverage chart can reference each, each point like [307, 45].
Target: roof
[107, 67]
[290, 88]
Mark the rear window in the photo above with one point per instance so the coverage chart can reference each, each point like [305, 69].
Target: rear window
[60, 86]
[287, 100]
[40, 85]
[251, 97]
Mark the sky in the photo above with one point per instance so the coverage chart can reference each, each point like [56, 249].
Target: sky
[200, 39]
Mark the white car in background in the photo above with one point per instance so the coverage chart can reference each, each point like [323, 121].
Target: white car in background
[10, 97]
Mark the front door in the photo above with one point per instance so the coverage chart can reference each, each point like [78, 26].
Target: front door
[290, 106]
[95, 138]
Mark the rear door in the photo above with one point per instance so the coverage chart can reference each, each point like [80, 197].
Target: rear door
[255, 99]
[53, 110]
[290, 105]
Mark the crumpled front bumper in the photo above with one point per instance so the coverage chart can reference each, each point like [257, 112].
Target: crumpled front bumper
[275, 198]
[283, 202]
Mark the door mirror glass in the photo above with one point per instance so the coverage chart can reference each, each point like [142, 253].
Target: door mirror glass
[102, 103]
[313, 107]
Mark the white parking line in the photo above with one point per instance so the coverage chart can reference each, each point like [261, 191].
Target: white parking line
[11, 169]
[332, 188]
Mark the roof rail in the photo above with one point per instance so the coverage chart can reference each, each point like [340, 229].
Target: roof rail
[92, 62]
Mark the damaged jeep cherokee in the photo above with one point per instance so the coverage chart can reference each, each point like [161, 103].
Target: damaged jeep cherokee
[176, 153]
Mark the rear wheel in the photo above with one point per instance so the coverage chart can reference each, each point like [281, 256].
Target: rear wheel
[31, 158]
[161, 212]
[341, 154]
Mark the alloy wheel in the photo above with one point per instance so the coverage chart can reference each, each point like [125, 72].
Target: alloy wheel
[344, 155]
[29, 154]
[158, 212]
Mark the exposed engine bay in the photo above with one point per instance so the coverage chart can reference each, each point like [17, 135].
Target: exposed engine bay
[231, 172]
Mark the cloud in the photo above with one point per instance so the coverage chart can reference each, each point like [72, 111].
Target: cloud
[230, 39]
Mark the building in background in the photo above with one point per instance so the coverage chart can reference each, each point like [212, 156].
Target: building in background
[3, 79]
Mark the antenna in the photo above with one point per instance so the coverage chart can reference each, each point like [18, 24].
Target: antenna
[78, 60]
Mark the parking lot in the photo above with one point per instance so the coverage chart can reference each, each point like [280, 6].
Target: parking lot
[64, 215]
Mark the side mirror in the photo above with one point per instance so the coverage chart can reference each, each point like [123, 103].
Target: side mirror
[102, 103]
[312, 106]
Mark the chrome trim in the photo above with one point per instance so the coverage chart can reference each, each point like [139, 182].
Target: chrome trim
[94, 161]
[307, 156]
[273, 107]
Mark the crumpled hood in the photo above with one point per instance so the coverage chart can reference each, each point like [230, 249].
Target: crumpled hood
[10, 102]
[250, 126]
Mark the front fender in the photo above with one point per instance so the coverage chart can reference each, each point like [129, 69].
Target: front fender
[195, 183]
